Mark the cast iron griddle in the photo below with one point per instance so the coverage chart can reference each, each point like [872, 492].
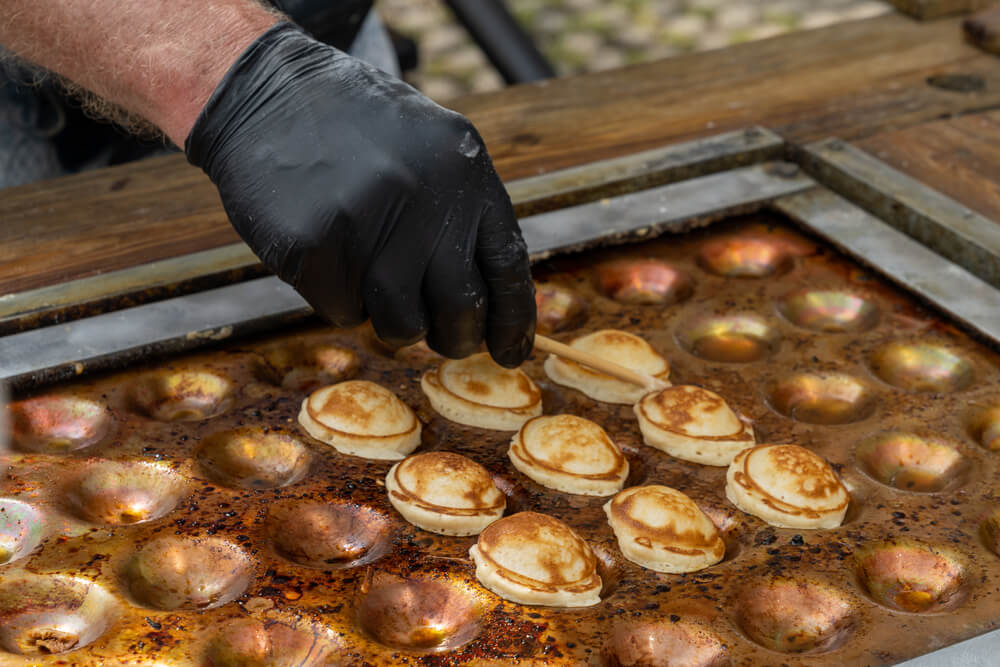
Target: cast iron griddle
[197, 524]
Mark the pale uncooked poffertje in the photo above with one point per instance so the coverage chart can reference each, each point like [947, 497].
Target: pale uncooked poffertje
[662, 529]
[787, 486]
[622, 348]
[361, 418]
[444, 493]
[570, 454]
[535, 559]
[693, 424]
[476, 391]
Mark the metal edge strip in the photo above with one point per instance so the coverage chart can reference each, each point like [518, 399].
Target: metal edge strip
[146, 282]
[939, 222]
[659, 166]
[972, 302]
[675, 207]
[54, 353]
[226, 264]
[59, 352]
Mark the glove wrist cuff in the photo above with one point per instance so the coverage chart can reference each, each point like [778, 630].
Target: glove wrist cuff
[239, 90]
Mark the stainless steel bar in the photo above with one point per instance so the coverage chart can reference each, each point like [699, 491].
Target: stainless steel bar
[937, 221]
[58, 352]
[901, 259]
[165, 274]
[635, 171]
[677, 206]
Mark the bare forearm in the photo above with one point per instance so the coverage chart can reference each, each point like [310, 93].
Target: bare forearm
[160, 59]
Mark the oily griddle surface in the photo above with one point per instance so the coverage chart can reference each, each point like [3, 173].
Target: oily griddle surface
[224, 567]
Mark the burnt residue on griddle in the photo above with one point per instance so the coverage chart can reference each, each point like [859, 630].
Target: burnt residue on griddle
[306, 538]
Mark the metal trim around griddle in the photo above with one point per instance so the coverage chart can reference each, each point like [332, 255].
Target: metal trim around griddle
[659, 166]
[59, 352]
[936, 220]
[54, 353]
[116, 289]
[952, 289]
[236, 262]
[49, 354]
[675, 207]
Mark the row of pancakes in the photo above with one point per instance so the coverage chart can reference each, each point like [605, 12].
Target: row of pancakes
[536, 559]
[688, 422]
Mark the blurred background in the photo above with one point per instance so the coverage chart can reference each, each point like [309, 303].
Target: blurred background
[589, 35]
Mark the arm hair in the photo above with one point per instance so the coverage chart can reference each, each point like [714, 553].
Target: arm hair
[157, 60]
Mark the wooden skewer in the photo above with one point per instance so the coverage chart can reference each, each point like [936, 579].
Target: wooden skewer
[546, 344]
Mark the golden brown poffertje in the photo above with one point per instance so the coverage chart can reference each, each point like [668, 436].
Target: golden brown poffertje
[787, 486]
[622, 348]
[444, 493]
[361, 418]
[535, 559]
[476, 391]
[570, 454]
[693, 424]
[662, 529]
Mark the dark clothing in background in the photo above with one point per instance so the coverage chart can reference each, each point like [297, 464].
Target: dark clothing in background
[334, 22]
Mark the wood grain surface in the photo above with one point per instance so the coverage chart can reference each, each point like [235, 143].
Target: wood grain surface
[959, 157]
[107, 219]
[851, 80]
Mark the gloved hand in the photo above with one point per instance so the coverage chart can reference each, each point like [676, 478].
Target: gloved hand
[370, 199]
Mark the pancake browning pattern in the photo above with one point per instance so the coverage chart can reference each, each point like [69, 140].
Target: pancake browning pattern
[693, 424]
[361, 418]
[535, 559]
[621, 347]
[662, 529]
[787, 486]
[570, 454]
[476, 391]
[444, 493]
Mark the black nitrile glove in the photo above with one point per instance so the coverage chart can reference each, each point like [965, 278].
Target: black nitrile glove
[370, 199]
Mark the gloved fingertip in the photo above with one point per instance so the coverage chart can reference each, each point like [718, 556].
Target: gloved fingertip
[456, 333]
[512, 353]
[397, 342]
[346, 322]
[453, 349]
[342, 313]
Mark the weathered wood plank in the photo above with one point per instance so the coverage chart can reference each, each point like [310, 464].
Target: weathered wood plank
[851, 80]
[959, 157]
[932, 9]
[105, 220]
